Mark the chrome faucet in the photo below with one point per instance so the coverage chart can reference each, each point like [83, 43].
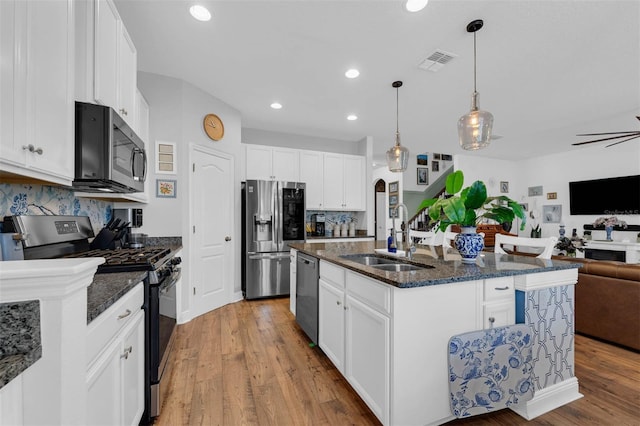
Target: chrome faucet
[409, 247]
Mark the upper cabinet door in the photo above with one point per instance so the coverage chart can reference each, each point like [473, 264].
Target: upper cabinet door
[106, 68]
[311, 174]
[333, 192]
[354, 182]
[37, 89]
[127, 78]
[285, 164]
[259, 162]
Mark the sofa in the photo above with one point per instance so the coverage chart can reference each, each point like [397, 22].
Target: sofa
[607, 300]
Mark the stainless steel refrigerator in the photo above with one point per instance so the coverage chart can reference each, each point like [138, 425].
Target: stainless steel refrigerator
[273, 215]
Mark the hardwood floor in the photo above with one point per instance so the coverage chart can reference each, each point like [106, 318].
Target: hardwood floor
[249, 363]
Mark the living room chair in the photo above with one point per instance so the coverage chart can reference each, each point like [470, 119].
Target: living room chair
[447, 239]
[547, 244]
[422, 237]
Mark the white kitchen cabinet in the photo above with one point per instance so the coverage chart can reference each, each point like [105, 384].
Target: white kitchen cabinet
[272, 163]
[368, 355]
[354, 332]
[115, 62]
[354, 182]
[344, 185]
[311, 173]
[36, 90]
[293, 258]
[106, 33]
[115, 375]
[331, 319]
[127, 78]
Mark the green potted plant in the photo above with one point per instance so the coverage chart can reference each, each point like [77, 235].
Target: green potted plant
[467, 207]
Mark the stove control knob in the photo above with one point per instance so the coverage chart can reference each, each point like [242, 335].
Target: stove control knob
[176, 260]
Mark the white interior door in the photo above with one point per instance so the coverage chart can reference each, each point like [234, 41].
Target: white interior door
[212, 199]
[381, 216]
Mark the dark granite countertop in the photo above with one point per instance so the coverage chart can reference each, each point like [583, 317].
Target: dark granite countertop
[20, 343]
[107, 288]
[328, 237]
[442, 265]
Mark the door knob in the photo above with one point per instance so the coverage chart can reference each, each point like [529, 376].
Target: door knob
[227, 238]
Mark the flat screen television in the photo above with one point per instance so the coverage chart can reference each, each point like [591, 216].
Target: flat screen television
[611, 196]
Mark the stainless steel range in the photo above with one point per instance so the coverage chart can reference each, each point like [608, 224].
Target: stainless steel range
[47, 237]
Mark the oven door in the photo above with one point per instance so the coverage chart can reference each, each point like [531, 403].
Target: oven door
[162, 336]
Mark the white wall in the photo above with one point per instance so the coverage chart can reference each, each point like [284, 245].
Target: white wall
[410, 177]
[553, 173]
[312, 143]
[177, 109]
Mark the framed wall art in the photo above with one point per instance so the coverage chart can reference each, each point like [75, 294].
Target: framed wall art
[423, 176]
[435, 166]
[394, 196]
[552, 213]
[166, 188]
[422, 159]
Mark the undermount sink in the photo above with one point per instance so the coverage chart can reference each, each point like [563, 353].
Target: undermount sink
[370, 260]
[384, 263]
[398, 267]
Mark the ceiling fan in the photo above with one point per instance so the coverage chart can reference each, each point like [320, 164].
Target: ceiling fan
[627, 136]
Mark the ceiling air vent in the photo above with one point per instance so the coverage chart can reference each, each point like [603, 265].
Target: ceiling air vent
[436, 60]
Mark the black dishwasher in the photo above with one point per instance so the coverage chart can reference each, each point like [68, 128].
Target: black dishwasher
[307, 269]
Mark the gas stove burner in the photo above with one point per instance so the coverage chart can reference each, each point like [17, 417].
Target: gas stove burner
[120, 260]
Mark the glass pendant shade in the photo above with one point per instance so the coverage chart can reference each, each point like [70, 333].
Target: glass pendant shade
[397, 157]
[474, 128]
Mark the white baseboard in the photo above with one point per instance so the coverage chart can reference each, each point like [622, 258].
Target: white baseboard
[549, 398]
[237, 296]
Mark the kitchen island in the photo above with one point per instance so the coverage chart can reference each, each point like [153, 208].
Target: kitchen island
[387, 332]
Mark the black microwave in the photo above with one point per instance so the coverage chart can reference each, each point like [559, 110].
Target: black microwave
[109, 156]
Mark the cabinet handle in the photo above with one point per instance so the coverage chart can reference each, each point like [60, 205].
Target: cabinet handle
[126, 352]
[227, 238]
[491, 321]
[123, 111]
[32, 148]
[338, 302]
[126, 314]
[501, 288]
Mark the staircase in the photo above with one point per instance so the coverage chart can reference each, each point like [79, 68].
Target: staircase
[420, 221]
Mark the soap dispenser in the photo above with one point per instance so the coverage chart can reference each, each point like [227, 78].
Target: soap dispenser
[391, 247]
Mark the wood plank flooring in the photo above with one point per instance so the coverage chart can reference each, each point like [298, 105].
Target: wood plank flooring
[249, 363]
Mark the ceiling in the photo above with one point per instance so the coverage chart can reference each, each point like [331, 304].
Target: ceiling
[547, 70]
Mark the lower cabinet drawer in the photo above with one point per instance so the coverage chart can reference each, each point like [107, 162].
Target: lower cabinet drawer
[499, 288]
[376, 295]
[102, 329]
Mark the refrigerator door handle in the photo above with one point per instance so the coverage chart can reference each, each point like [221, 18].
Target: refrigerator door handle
[270, 256]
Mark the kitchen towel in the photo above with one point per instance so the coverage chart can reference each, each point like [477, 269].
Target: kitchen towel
[490, 369]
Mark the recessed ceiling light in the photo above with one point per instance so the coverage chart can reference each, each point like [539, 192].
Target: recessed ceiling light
[201, 13]
[352, 73]
[352, 117]
[415, 5]
[276, 105]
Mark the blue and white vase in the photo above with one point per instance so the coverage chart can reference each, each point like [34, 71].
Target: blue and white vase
[469, 244]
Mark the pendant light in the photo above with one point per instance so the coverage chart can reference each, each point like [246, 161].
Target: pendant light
[474, 128]
[397, 155]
